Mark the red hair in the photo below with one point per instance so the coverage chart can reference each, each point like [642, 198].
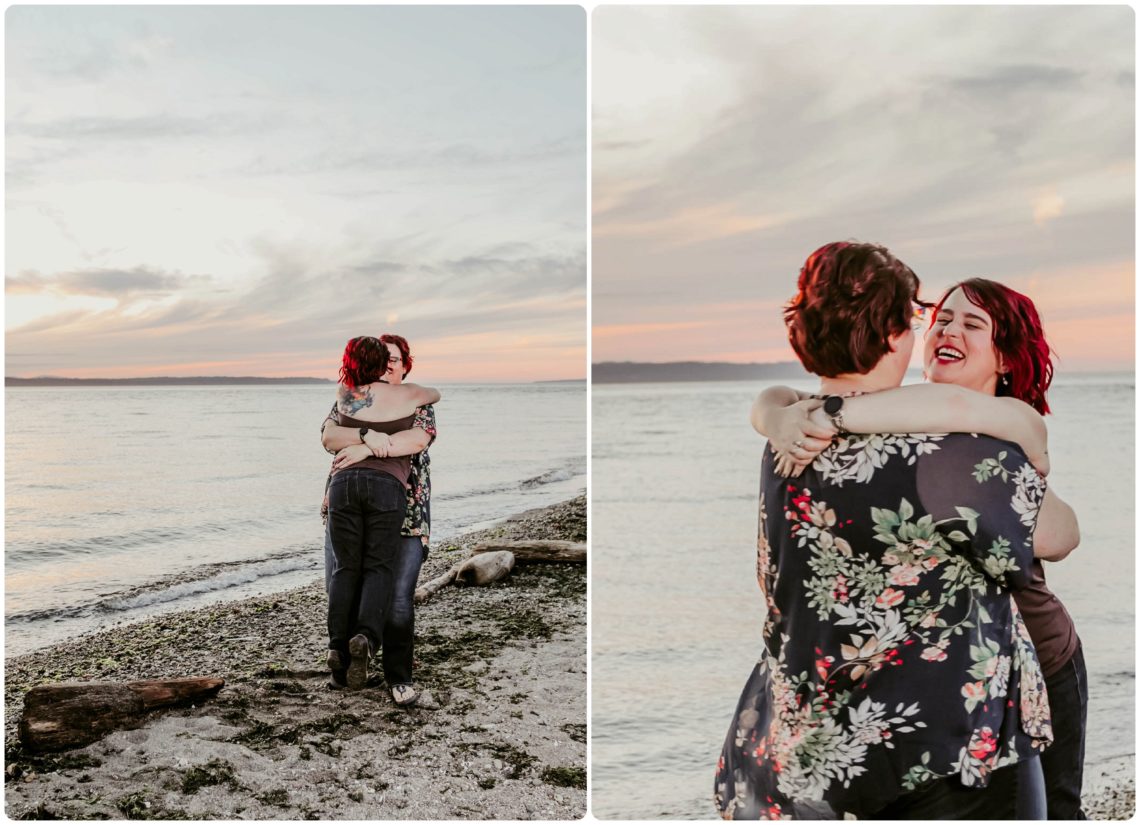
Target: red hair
[365, 361]
[852, 298]
[401, 343]
[1018, 338]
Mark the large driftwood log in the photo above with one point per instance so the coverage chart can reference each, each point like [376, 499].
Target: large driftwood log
[73, 714]
[537, 550]
[485, 568]
[481, 569]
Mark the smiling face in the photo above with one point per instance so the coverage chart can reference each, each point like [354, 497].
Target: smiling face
[395, 373]
[959, 346]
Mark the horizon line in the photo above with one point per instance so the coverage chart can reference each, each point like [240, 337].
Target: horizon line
[275, 378]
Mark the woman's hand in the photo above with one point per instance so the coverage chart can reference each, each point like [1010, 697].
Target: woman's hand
[806, 430]
[379, 443]
[351, 455]
[801, 431]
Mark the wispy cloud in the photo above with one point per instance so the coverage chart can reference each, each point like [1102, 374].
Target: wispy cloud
[961, 140]
[111, 283]
[419, 167]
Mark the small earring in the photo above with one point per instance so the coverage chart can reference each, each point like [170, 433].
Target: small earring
[1005, 380]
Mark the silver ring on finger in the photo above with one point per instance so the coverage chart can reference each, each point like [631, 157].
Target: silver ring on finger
[799, 444]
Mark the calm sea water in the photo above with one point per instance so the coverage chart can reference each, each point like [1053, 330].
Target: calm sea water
[113, 489]
[677, 614]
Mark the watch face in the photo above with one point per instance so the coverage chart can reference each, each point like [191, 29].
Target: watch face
[833, 404]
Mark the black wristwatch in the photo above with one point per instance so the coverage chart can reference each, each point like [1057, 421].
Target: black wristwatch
[363, 432]
[833, 407]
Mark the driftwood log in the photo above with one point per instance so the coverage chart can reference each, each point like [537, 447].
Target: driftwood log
[537, 550]
[73, 714]
[492, 560]
[482, 569]
[435, 585]
[485, 568]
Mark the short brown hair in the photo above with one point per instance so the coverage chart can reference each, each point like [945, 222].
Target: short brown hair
[853, 297]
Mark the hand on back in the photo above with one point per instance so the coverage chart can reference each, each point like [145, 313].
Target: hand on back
[800, 432]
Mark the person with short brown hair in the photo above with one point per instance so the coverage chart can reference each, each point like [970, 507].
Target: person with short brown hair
[897, 679]
[851, 299]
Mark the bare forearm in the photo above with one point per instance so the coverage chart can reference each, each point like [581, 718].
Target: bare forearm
[942, 408]
[1057, 533]
[409, 442]
[335, 437]
[768, 403]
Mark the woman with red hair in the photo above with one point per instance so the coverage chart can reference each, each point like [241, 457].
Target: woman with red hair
[344, 443]
[990, 367]
[367, 502]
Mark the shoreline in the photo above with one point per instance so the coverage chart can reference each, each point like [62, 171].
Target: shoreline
[502, 736]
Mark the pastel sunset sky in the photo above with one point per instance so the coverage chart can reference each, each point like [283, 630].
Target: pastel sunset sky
[239, 190]
[730, 142]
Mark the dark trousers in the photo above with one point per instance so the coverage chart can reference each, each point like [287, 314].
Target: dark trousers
[1014, 792]
[366, 508]
[1064, 761]
[399, 630]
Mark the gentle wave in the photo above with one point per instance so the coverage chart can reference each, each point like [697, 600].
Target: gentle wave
[259, 570]
[35, 550]
[160, 593]
[566, 472]
[549, 477]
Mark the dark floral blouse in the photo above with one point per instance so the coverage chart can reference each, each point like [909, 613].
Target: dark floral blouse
[894, 653]
[417, 518]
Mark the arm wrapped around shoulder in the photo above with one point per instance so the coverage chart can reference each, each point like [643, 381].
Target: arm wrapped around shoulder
[986, 496]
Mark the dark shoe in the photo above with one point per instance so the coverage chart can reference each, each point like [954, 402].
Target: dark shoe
[361, 652]
[337, 670]
[404, 695]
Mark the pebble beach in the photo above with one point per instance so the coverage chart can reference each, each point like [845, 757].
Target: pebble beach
[499, 734]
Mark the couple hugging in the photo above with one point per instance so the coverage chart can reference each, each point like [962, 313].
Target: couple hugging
[915, 664]
[377, 512]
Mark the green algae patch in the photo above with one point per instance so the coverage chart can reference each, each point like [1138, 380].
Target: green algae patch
[214, 772]
[565, 777]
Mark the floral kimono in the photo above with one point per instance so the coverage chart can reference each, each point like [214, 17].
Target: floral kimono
[894, 653]
[417, 517]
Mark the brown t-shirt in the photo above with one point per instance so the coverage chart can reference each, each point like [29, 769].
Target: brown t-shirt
[398, 466]
[1049, 624]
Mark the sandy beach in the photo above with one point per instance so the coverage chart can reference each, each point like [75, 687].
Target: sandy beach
[1110, 789]
[501, 735]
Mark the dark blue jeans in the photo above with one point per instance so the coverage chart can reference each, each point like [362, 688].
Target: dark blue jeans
[399, 630]
[1064, 761]
[366, 508]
